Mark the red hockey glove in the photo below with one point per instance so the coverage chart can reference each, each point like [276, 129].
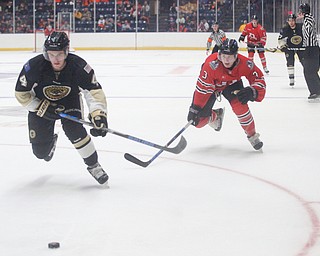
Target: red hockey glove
[49, 110]
[246, 94]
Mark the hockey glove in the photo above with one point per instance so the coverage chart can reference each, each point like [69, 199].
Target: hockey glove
[260, 45]
[49, 110]
[241, 38]
[99, 119]
[246, 94]
[194, 114]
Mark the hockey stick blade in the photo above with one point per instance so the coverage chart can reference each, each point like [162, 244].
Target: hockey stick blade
[135, 160]
[175, 150]
[181, 146]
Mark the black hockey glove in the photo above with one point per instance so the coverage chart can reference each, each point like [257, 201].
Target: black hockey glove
[260, 46]
[194, 114]
[246, 94]
[99, 119]
[241, 38]
[49, 110]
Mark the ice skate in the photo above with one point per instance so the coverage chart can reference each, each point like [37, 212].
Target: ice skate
[266, 70]
[314, 98]
[53, 148]
[98, 173]
[217, 124]
[255, 141]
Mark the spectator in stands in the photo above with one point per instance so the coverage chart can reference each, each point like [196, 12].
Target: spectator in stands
[203, 26]
[173, 9]
[243, 25]
[145, 9]
[65, 26]
[109, 26]
[77, 14]
[181, 20]
[101, 22]
[133, 12]
[9, 7]
[48, 30]
[86, 15]
[126, 26]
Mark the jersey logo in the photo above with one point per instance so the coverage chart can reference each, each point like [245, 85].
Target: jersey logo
[250, 64]
[214, 64]
[296, 40]
[23, 81]
[252, 37]
[53, 92]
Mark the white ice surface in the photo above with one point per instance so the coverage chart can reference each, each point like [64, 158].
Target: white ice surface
[218, 197]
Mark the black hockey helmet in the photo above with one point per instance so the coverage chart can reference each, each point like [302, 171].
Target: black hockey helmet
[304, 8]
[56, 41]
[292, 16]
[229, 47]
[254, 17]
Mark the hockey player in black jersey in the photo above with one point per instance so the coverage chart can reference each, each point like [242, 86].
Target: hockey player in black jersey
[54, 82]
[290, 38]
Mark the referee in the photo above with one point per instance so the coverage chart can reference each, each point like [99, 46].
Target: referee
[218, 36]
[311, 54]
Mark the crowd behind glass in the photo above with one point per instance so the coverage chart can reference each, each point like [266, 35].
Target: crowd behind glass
[105, 16]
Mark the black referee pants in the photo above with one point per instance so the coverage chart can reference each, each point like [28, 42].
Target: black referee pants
[310, 68]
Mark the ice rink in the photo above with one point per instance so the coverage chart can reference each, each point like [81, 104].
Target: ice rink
[218, 197]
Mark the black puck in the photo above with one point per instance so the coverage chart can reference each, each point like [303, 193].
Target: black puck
[53, 245]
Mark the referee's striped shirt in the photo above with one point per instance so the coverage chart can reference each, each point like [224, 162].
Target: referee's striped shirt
[309, 31]
[217, 37]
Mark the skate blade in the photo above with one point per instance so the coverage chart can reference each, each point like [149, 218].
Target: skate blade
[317, 100]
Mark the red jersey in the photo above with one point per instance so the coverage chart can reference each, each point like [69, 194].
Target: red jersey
[255, 35]
[214, 78]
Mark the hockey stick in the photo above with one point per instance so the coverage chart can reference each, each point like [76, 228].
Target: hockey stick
[137, 161]
[264, 49]
[261, 48]
[175, 150]
[275, 49]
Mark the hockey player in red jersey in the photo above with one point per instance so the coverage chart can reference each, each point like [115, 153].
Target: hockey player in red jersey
[256, 38]
[221, 75]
